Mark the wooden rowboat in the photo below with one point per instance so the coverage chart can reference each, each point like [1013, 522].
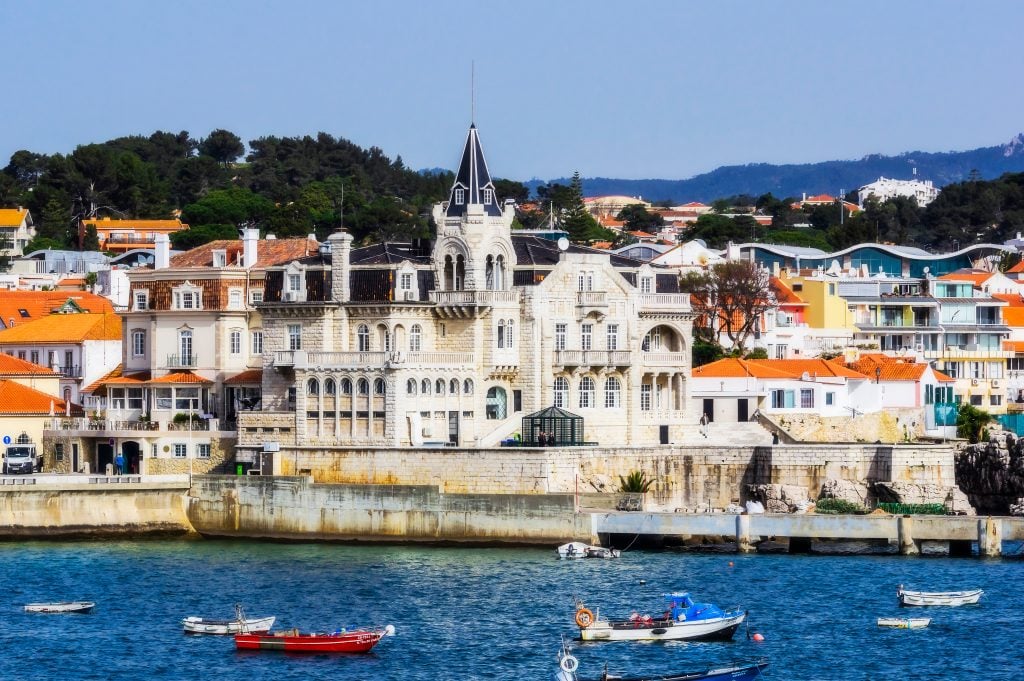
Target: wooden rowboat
[567, 665]
[80, 607]
[938, 597]
[358, 641]
[200, 625]
[904, 622]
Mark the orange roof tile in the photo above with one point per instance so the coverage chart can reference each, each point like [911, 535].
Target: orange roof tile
[976, 277]
[12, 366]
[603, 245]
[733, 367]
[814, 367]
[12, 217]
[943, 378]
[22, 306]
[250, 377]
[1017, 269]
[116, 377]
[16, 398]
[1013, 313]
[65, 328]
[1014, 346]
[268, 252]
[180, 377]
[888, 368]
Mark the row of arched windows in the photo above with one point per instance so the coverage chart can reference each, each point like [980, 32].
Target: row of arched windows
[345, 386]
[439, 386]
[586, 393]
[388, 340]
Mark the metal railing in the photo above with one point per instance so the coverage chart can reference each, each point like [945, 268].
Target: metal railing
[69, 371]
[182, 361]
[593, 357]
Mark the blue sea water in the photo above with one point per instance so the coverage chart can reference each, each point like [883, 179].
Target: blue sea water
[488, 613]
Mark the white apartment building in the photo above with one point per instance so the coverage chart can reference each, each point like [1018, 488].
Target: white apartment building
[885, 188]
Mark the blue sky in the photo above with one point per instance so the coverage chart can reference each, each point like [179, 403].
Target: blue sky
[626, 89]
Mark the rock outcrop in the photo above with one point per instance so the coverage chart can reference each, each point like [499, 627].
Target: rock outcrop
[845, 490]
[780, 498]
[952, 498]
[992, 473]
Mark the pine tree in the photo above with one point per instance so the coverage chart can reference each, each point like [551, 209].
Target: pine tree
[580, 224]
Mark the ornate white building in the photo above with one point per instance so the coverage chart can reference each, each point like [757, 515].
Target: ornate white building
[885, 188]
[454, 341]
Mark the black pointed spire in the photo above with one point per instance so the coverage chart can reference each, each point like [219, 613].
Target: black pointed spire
[473, 181]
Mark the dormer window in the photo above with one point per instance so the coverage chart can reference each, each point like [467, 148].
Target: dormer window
[294, 282]
[220, 258]
[646, 284]
[235, 299]
[188, 297]
[460, 196]
[141, 299]
[488, 196]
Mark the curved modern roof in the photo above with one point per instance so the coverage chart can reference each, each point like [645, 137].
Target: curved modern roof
[901, 251]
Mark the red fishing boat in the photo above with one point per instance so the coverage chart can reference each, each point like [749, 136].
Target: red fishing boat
[356, 641]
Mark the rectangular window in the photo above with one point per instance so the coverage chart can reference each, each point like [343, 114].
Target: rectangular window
[257, 342]
[783, 399]
[188, 301]
[294, 336]
[830, 399]
[460, 196]
[488, 196]
[256, 296]
[235, 299]
[138, 343]
[560, 336]
[995, 400]
[163, 398]
[236, 342]
[203, 450]
[141, 300]
[645, 397]
[294, 282]
[180, 450]
[406, 281]
[586, 336]
[134, 398]
[781, 351]
[929, 394]
[58, 451]
[806, 398]
[613, 336]
[645, 284]
[21, 354]
[976, 400]
[34, 354]
[186, 398]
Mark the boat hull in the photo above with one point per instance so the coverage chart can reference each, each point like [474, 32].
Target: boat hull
[750, 672]
[949, 598]
[718, 629]
[350, 642]
[904, 622]
[70, 607]
[198, 625]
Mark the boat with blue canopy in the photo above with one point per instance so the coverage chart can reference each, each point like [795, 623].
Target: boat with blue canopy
[681, 619]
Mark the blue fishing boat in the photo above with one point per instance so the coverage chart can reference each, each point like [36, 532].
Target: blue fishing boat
[681, 620]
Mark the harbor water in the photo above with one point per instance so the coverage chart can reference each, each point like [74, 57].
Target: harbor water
[489, 613]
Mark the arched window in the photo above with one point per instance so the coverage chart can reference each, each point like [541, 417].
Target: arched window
[363, 338]
[497, 403]
[439, 386]
[313, 387]
[499, 273]
[652, 341]
[460, 272]
[384, 338]
[489, 273]
[561, 392]
[380, 387]
[586, 392]
[363, 386]
[612, 391]
[415, 338]
[329, 386]
[425, 386]
[449, 273]
[411, 386]
[467, 386]
[346, 386]
[453, 386]
[508, 334]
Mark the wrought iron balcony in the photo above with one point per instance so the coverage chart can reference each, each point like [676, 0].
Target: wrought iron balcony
[182, 361]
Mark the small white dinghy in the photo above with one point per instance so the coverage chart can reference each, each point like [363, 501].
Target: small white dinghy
[938, 597]
[200, 625]
[904, 622]
[577, 549]
[81, 607]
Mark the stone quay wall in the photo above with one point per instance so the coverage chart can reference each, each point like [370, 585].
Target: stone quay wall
[690, 478]
[295, 507]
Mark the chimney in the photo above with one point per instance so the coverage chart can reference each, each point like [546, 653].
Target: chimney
[250, 237]
[341, 247]
[161, 252]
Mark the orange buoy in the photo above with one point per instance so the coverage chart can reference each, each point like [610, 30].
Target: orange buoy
[584, 618]
[758, 637]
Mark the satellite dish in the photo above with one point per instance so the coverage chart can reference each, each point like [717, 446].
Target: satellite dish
[563, 244]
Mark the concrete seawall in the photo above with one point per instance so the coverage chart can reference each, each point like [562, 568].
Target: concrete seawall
[54, 508]
[297, 508]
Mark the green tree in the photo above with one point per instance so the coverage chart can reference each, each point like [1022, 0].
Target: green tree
[186, 239]
[730, 298]
[228, 206]
[969, 422]
[510, 189]
[222, 146]
[580, 224]
[91, 240]
[638, 219]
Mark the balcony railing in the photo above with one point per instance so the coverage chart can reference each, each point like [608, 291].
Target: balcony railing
[69, 371]
[668, 302]
[592, 357]
[592, 298]
[473, 297]
[182, 361]
[300, 359]
[664, 359]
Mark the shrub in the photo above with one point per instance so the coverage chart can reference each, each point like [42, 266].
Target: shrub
[635, 483]
[970, 421]
[837, 507]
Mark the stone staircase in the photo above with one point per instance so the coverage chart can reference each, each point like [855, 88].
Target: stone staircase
[743, 434]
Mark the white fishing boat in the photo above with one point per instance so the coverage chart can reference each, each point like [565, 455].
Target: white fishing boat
[682, 620]
[201, 625]
[81, 607]
[904, 622]
[937, 597]
[577, 549]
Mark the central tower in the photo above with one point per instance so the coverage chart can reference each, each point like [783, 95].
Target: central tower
[473, 250]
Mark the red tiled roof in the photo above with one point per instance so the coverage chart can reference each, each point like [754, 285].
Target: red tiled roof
[1013, 313]
[116, 377]
[976, 277]
[814, 367]
[1017, 269]
[180, 377]
[12, 366]
[38, 304]
[16, 398]
[773, 368]
[250, 377]
[65, 328]
[268, 252]
[887, 368]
